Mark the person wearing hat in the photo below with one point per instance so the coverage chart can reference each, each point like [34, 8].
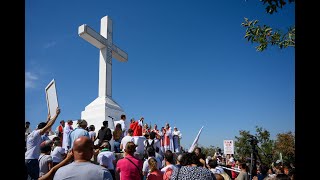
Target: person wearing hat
[78, 132]
[33, 146]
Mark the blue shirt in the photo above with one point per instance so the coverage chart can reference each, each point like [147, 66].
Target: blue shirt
[75, 134]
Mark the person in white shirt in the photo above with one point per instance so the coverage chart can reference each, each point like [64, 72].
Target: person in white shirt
[169, 167]
[58, 153]
[106, 158]
[33, 146]
[176, 139]
[167, 138]
[27, 131]
[139, 140]
[127, 138]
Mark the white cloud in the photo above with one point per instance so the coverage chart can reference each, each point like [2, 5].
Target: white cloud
[50, 44]
[30, 80]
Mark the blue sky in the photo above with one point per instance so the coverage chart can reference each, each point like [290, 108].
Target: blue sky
[188, 65]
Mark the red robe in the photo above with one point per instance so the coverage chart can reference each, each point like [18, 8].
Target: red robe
[137, 130]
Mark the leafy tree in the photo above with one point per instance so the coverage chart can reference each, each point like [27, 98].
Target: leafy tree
[265, 35]
[285, 143]
[266, 147]
[208, 151]
[263, 146]
[242, 145]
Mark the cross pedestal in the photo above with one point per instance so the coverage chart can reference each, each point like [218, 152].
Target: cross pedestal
[99, 110]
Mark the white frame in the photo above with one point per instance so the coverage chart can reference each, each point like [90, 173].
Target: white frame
[52, 98]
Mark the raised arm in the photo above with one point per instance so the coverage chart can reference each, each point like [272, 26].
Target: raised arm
[49, 175]
[50, 122]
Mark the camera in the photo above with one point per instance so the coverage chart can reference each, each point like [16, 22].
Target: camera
[253, 140]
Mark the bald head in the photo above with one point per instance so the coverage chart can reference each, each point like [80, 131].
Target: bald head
[82, 149]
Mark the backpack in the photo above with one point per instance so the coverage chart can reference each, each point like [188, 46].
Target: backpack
[146, 147]
[150, 145]
[108, 134]
[104, 134]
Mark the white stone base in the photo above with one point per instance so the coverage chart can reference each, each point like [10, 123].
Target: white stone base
[99, 110]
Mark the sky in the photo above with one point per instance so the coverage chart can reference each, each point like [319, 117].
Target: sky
[188, 64]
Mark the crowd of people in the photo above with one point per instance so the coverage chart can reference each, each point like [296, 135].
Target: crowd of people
[73, 154]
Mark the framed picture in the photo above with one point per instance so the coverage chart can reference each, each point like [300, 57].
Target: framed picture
[52, 98]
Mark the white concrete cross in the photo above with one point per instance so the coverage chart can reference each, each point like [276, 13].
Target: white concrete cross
[103, 41]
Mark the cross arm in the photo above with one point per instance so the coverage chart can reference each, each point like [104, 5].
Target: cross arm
[92, 36]
[118, 54]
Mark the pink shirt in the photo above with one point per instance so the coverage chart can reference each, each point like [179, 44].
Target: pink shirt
[127, 170]
[155, 175]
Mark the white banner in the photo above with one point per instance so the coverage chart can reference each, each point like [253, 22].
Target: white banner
[228, 147]
[195, 142]
[52, 98]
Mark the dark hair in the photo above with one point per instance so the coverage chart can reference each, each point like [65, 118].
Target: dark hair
[130, 131]
[244, 166]
[263, 169]
[151, 152]
[213, 163]
[146, 135]
[106, 144]
[41, 125]
[56, 139]
[45, 148]
[105, 123]
[199, 149]
[168, 155]
[57, 142]
[192, 158]
[27, 122]
[118, 126]
[152, 135]
[183, 159]
[122, 116]
[91, 127]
